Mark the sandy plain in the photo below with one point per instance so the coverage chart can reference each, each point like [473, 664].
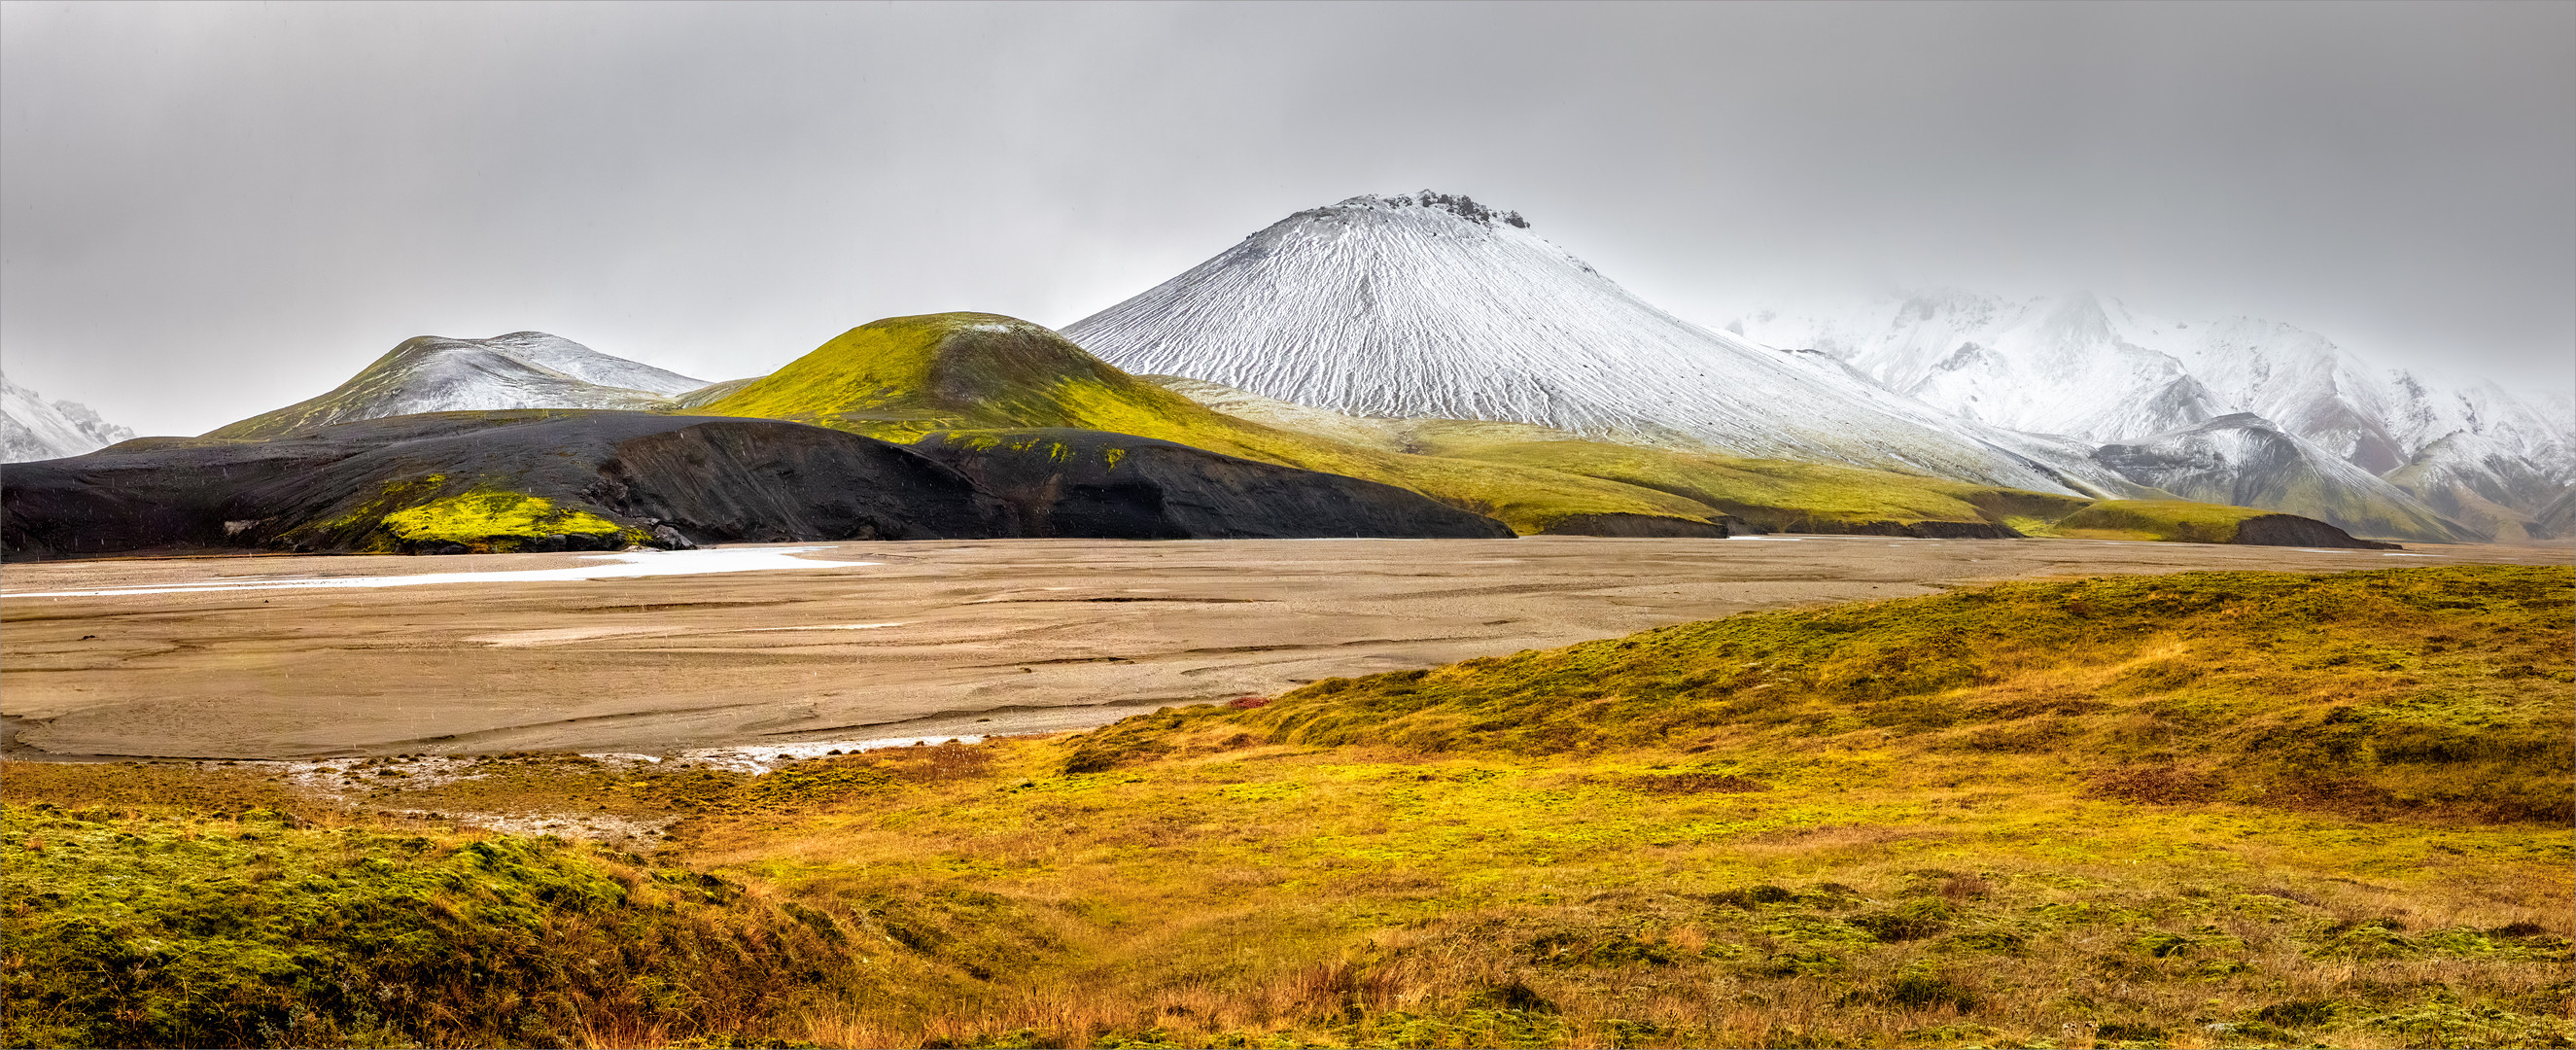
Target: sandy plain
[929, 639]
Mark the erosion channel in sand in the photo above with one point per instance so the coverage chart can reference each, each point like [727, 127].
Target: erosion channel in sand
[768, 646]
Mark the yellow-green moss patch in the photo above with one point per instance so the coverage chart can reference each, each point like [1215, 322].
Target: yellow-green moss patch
[486, 515]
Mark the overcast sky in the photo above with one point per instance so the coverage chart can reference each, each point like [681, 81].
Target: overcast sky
[212, 210]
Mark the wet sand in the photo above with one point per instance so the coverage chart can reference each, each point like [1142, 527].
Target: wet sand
[934, 639]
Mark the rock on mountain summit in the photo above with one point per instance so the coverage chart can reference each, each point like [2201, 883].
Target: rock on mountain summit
[1435, 306]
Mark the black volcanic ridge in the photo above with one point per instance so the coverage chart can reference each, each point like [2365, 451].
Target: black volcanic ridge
[557, 479]
[1067, 482]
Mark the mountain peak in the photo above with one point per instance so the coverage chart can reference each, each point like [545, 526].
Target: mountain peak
[1436, 306]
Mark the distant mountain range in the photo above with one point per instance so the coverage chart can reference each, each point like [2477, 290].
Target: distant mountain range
[965, 425]
[32, 428]
[2097, 371]
[1441, 352]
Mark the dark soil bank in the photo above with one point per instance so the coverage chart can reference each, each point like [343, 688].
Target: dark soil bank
[1090, 483]
[2291, 530]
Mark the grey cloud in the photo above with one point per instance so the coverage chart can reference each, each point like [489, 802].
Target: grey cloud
[211, 210]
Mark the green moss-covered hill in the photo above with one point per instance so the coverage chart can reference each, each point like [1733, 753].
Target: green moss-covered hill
[903, 378]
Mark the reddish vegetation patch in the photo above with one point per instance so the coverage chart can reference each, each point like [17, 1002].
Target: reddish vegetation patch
[2155, 784]
[1246, 703]
[1693, 783]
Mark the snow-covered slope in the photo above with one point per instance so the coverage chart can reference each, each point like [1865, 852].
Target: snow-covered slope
[2098, 371]
[437, 374]
[1434, 306]
[2480, 482]
[2557, 520]
[2244, 460]
[32, 428]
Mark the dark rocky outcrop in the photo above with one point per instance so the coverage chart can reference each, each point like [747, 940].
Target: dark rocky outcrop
[2291, 530]
[670, 481]
[1068, 482]
[666, 480]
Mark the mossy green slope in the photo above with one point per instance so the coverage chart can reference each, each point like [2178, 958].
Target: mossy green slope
[2437, 688]
[1777, 495]
[902, 378]
[2175, 520]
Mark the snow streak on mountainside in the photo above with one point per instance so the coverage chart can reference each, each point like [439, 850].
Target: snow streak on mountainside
[1434, 306]
[32, 428]
[436, 374]
[2100, 372]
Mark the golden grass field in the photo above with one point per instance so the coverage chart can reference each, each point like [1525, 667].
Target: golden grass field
[2204, 809]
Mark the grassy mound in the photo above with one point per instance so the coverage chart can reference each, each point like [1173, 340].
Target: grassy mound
[155, 926]
[2174, 520]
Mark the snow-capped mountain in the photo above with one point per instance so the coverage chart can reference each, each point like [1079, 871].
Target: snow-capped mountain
[32, 428]
[2244, 460]
[1436, 306]
[437, 374]
[2100, 372]
[2480, 482]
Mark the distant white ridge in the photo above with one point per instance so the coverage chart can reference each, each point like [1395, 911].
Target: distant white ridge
[32, 428]
[438, 374]
[2097, 370]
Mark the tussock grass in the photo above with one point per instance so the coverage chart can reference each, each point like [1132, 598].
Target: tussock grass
[2199, 810]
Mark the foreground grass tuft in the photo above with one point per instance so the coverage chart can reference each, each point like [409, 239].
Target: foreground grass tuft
[161, 927]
